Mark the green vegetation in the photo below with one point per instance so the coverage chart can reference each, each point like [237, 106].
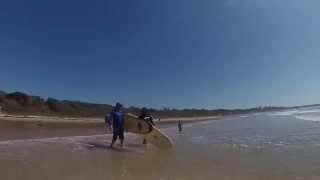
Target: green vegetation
[21, 103]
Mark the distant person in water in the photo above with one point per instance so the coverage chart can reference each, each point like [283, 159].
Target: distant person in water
[180, 126]
[144, 115]
[117, 122]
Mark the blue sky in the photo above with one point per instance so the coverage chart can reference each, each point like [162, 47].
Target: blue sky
[182, 53]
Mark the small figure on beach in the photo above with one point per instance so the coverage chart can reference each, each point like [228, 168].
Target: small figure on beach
[180, 125]
[144, 115]
[117, 120]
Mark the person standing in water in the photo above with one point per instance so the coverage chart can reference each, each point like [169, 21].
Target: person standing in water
[146, 117]
[180, 126]
[117, 120]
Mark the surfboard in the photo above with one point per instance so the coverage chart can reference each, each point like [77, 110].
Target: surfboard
[151, 133]
[135, 125]
[158, 138]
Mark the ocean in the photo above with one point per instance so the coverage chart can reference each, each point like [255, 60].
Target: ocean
[274, 145]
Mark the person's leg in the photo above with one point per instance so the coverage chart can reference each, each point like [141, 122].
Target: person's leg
[114, 138]
[121, 142]
[144, 141]
[121, 137]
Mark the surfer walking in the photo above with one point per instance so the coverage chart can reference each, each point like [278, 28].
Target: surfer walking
[117, 121]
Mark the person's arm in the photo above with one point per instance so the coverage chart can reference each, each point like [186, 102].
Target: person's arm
[106, 119]
[151, 120]
[123, 119]
[109, 120]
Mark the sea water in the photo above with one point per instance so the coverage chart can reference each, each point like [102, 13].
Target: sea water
[281, 145]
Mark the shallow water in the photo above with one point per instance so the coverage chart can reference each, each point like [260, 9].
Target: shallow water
[260, 146]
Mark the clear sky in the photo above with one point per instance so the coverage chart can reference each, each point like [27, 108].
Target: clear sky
[163, 53]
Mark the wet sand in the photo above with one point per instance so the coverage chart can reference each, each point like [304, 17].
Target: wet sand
[22, 129]
[26, 127]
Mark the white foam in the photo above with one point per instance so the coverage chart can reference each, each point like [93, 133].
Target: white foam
[308, 111]
[308, 117]
[303, 114]
[283, 113]
[53, 139]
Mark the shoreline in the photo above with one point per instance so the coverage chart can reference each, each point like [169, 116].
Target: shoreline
[95, 120]
[26, 127]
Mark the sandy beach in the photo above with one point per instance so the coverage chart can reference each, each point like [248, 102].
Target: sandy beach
[30, 118]
[25, 127]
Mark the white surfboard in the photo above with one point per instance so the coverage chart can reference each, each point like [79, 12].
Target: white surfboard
[151, 133]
